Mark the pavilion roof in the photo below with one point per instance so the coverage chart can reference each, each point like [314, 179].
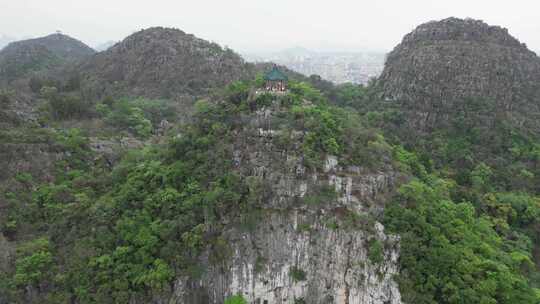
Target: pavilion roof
[275, 74]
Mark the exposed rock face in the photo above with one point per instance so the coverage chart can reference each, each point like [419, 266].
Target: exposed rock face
[162, 62]
[295, 233]
[334, 261]
[442, 65]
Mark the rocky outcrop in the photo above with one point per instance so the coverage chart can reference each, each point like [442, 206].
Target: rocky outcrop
[441, 67]
[161, 62]
[287, 260]
[311, 240]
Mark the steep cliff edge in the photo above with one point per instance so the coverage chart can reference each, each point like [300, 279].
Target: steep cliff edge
[293, 257]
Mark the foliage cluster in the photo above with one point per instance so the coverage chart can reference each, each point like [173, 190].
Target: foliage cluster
[335, 131]
[65, 105]
[321, 195]
[469, 220]
[6, 96]
[122, 234]
[460, 252]
[139, 116]
[236, 299]
[14, 66]
[297, 274]
[376, 251]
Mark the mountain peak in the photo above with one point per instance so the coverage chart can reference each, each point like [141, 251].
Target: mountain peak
[59, 44]
[441, 65]
[19, 58]
[463, 30]
[163, 62]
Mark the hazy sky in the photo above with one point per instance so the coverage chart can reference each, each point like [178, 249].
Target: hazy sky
[247, 25]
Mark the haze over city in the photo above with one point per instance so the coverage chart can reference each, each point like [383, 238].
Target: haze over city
[255, 26]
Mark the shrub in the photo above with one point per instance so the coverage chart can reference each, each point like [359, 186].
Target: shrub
[138, 116]
[124, 115]
[304, 90]
[260, 263]
[64, 106]
[5, 97]
[445, 238]
[297, 274]
[376, 251]
[36, 83]
[299, 301]
[322, 194]
[237, 92]
[34, 262]
[264, 100]
[237, 299]
[155, 110]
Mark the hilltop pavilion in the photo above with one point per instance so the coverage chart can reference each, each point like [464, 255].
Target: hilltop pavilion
[276, 81]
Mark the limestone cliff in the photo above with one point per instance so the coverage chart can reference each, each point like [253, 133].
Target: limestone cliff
[334, 261]
[300, 251]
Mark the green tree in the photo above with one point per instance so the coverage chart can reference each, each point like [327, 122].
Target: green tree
[236, 299]
[34, 262]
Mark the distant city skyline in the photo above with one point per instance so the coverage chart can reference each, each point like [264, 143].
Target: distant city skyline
[260, 25]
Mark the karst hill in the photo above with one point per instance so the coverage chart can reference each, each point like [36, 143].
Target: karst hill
[33, 55]
[25, 63]
[444, 66]
[162, 62]
[60, 45]
[167, 170]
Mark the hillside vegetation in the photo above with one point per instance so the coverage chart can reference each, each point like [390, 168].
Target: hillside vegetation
[157, 171]
[102, 235]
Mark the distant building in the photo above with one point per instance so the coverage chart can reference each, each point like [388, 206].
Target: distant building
[276, 80]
